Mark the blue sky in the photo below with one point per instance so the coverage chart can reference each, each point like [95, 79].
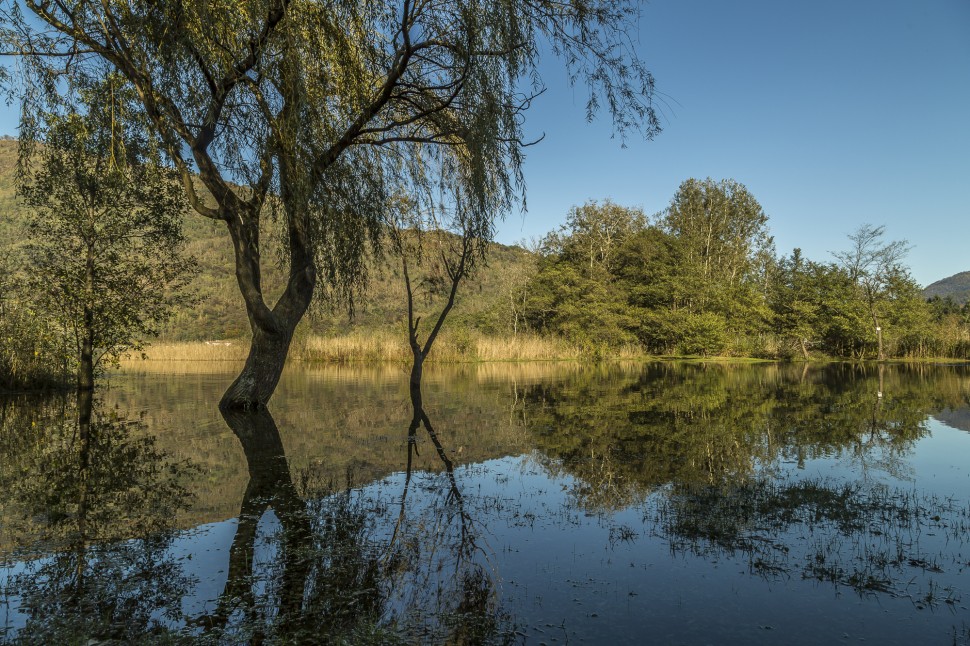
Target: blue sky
[832, 113]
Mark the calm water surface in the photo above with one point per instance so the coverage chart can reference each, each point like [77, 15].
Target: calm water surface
[661, 503]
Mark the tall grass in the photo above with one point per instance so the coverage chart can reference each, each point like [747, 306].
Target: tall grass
[456, 346]
[196, 357]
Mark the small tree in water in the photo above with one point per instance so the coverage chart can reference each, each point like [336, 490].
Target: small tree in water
[105, 234]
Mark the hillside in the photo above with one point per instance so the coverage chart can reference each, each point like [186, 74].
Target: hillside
[217, 310]
[956, 287]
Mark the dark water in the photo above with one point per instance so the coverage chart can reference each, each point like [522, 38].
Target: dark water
[693, 504]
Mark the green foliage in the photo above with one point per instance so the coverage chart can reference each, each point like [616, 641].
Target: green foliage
[490, 303]
[683, 284]
[608, 278]
[703, 334]
[323, 118]
[572, 295]
[34, 348]
[104, 238]
[703, 279]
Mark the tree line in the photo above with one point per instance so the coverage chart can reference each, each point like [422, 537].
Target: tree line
[703, 278]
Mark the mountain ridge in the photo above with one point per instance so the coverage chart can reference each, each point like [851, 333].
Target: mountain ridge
[956, 287]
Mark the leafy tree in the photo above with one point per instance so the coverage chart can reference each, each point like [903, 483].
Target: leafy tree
[594, 232]
[573, 293]
[723, 229]
[34, 351]
[909, 317]
[105, 233]
[336, 108]
[875, 267]
[725, 248]
[794, 302]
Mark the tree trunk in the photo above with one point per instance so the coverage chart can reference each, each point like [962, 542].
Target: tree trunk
[85, 374]
[875, 323]
[272, 329]
[256, 383]
[801, 342]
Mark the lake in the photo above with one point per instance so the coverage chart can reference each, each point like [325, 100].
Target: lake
[556, 503]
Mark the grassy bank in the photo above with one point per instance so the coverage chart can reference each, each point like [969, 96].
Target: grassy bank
[451, 347]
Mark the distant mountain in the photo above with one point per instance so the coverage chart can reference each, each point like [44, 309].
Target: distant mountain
[956, 287]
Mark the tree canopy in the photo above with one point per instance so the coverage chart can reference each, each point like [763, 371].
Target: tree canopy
[702, 278]
[105, 241]
[329, 110]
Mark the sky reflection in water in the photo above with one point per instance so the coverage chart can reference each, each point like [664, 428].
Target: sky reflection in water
[666, 503]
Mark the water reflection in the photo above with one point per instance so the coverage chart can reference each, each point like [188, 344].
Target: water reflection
[77, 489]
[870, 537]
[316, 560]
[696, 503]
[720, 425]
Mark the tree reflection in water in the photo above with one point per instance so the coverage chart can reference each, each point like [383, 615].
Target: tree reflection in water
[334, 574]
[621, 436]
[94, 483]
[720, 463]
[713, 456]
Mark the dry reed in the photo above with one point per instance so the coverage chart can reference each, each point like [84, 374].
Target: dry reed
[197, 357]
[455, 346]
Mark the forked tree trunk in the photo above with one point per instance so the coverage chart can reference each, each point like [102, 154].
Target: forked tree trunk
[272, 329]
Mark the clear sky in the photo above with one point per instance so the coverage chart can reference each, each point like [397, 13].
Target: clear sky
[834, 113]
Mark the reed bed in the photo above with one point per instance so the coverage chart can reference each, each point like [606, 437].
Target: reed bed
[354, 347]
[196, 357]
[456, 347]
[373, 347]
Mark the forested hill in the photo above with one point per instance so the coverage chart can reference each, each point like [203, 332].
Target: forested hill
[217, 311]
[957, 287]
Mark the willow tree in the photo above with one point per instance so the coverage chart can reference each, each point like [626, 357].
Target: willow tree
[317, 112]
